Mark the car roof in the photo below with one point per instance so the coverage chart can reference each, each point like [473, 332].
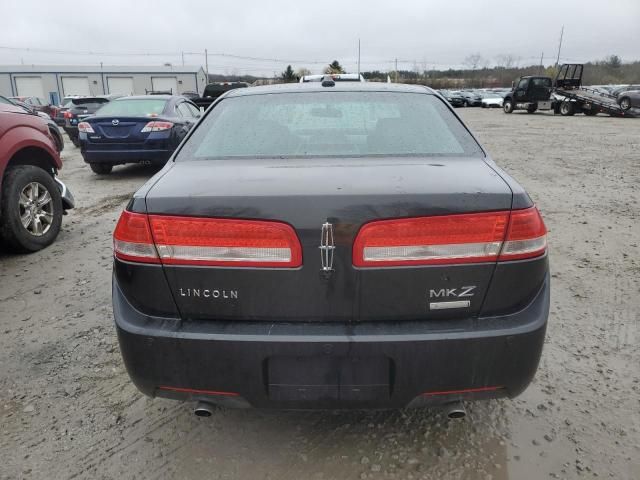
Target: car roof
[338, 87]
[143, 97]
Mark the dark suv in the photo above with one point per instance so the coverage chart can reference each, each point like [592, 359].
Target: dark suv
[79, 109]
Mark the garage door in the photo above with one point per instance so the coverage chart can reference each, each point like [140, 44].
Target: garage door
[75, 86]
[165, 84]
[29, 87]
[120, 85]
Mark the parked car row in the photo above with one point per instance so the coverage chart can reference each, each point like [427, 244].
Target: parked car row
[486, 98]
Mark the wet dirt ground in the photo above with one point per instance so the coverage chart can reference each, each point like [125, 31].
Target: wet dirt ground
[68, 409]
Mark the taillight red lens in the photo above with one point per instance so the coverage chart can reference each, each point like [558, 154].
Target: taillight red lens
[157, 126]
[450, 239]
[225, 242]
[132, 239]
[526, 237]
[172, 240]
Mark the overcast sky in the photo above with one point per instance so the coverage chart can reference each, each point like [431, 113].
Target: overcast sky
[419, 33]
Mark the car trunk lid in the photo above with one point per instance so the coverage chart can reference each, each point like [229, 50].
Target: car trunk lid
[119, 129]
[307, 194]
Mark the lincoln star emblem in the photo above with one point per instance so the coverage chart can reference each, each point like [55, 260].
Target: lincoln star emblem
[327, 246]
[115, 122]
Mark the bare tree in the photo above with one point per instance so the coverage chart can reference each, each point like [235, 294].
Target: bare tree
[473, 61]
[302, 72]
[505, 60]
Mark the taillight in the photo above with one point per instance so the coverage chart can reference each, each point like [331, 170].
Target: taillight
[451, 239]
[526, 237]
[132, 239]
[85, 127]
[157, 126]
[174, 240]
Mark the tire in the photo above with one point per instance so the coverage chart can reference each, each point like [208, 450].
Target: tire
[465, 104]
[567, 109]
[625, 103]
[75, 141]
[29, 194]
[507, 106]
[532, 109]
[101, 168]
[591, 112]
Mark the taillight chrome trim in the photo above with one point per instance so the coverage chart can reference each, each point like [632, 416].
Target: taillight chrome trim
[135, 252]
[461, 252]
[176, 254]
[519, 249]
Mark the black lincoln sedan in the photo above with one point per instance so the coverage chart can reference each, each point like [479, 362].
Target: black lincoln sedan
[331, 245]
[145, 128]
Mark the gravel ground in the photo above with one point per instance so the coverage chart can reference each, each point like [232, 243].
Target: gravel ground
[68, 409]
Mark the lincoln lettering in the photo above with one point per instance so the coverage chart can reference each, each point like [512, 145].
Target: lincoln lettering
[208, 293]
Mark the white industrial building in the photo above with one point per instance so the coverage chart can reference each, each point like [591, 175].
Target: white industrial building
[53, 83]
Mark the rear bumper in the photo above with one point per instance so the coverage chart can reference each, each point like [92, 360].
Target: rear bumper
[122, 155]
[277, 365]
[70, 130]
[68, 202]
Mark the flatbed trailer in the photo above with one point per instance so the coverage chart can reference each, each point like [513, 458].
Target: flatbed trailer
[568, 84]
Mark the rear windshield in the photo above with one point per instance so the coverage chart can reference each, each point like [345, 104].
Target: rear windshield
[215, 90]
[139, 107]
[542, 82]
[87, 100]
[330, 124]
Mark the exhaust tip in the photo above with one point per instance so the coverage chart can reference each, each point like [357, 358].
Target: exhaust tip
[456, 410]
[203, 410]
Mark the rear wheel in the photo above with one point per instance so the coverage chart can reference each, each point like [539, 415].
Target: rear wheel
[101, 168]
[75, 141]
[625, 103]
[591, 112]
[567, 109]
[507, 106]
[31, 209]
[532, 109]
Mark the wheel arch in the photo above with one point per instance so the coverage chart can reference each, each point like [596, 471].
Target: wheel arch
[35, 156]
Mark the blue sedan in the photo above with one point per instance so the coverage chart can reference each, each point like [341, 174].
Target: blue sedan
[135, 129]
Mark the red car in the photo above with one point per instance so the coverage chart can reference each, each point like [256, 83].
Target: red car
[38, 104]
[32, 199]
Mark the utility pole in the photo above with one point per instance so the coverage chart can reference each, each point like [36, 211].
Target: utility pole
[560, 46]
[182, 53]
[206, 63]
[358, 58]
[396, 80]
[541, 64]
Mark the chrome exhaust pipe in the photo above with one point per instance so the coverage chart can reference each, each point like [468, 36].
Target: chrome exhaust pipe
[203, 409]
[455, 410]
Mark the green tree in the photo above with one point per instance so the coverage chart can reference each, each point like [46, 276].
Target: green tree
[289, 76]
[613, 61]
[334, 67]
